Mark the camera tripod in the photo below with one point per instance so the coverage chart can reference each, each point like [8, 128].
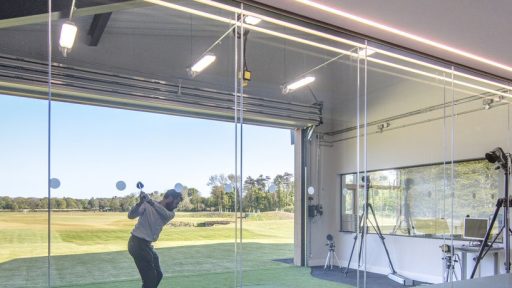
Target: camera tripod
[332, 253]
[368, 207]
[502, 160]
[404, 219]
[450, 259]
[484, 248]
[449, 268]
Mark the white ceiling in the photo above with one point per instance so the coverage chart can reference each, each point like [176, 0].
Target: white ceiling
[479, 27]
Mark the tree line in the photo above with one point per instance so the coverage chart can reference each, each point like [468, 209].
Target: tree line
[260, 194]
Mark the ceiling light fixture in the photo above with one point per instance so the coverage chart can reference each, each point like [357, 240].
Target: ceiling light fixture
[200, 65]
[404, 34]
[68, 33]
[251, 20]
[366, 52]
[67, 37]
[297, 84]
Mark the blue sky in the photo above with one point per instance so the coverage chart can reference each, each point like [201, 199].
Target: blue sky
[94, 147]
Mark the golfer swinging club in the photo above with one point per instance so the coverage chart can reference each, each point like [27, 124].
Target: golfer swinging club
[152, 218]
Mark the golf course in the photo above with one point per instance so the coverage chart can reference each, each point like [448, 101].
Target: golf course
[89, 249]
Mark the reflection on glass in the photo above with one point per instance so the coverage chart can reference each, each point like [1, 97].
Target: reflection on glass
[405, 200]
[483, 109]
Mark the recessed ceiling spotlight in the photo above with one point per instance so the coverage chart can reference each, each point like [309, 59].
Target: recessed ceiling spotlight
[251, 20]
[365, 52]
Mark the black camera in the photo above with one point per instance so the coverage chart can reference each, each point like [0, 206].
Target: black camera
[499, 157]
[330, 242]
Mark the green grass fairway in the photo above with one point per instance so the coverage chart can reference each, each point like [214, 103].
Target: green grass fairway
[284, 277]
[89, 250]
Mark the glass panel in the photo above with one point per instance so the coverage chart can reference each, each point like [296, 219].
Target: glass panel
[267, 205]
[482, 131]
[279, 55]
[409, 125]
[24, 146]
[120, 96]
[363, 180]
[24, 200]
[427, 181]
[282, 55]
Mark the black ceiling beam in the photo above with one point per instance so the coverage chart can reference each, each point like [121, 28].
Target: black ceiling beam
[98, 25]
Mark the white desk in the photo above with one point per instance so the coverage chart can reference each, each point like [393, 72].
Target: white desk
[464, 249]
[498, 281]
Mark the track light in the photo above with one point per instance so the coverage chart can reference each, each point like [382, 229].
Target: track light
[200, 65]
[487, 102]
[67, 37]
[251, 20]
[383, 126]
[297, 84]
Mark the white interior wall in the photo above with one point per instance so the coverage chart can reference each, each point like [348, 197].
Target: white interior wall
[474, 134]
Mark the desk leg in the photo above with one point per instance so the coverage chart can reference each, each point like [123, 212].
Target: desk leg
[496, 265]
[464, 265]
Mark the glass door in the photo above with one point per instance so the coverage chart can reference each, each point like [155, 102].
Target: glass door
[143, 111]
[24, 121]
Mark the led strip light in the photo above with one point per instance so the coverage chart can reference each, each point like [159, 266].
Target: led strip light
[345, 41]
[281, 23]
[404, 34]
[327, 47]
[437, 76]
[384, 52]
